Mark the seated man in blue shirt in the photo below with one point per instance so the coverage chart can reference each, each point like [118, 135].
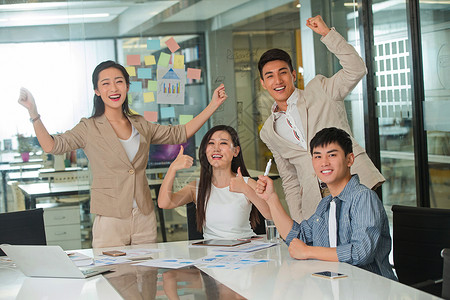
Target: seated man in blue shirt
[360, 234]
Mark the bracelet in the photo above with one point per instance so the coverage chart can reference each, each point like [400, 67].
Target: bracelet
[35, 119]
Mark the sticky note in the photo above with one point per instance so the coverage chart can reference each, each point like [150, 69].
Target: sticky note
[172, 45]
[149, 97]
[149, 60]
[153, 45]
[131, 71]
[144, 73]
[134, 60]
[178, 61]
[130, 99]
[193, 73]
[135, 86]
[151, 116]
[167, 112]
[185, 118]
[152, 85]
[163, 59]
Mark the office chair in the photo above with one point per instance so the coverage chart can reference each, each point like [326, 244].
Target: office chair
[446, 272]
[19, 198]
[24, 227]
[419, 235]
[193, 233]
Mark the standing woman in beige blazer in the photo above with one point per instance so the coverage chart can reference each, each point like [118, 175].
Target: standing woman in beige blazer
[117, 143]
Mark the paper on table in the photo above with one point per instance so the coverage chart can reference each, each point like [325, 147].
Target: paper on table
[104, 260]
[169, 263]
[250, 247]
[228, 261]
[80, 259]
[142, 253]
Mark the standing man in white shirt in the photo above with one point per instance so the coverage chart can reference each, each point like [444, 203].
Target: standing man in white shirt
[297, 115]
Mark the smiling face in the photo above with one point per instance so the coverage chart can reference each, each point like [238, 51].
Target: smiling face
[220, 150]
[112, 88]
[278, 80]
[332, 166]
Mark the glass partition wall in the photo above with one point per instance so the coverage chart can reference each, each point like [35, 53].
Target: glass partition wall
[52, 48]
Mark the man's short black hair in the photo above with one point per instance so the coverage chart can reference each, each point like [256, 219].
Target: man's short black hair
[271, 55]
[332, 135]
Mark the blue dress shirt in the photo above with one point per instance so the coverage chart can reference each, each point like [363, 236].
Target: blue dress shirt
[363, 237]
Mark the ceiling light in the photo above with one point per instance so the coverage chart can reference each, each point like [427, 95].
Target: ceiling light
[350, 4]
[298, 5]
[84, 16]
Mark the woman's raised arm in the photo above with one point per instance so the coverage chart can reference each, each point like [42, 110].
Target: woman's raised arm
[45, 139]
[166, 198]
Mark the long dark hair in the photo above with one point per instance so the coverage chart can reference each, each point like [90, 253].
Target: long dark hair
[204, 186]
[99, 106]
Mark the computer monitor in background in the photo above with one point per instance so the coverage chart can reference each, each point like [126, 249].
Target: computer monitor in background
[161, 156]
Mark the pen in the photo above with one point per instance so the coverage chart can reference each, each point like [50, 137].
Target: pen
[269, 164]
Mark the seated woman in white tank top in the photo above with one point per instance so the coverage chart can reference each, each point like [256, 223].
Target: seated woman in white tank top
[224, 195]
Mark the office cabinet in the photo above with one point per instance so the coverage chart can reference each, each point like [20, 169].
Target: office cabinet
[62, 226]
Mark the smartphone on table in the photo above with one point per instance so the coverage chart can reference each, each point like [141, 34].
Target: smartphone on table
[329, 275]
[114, 253]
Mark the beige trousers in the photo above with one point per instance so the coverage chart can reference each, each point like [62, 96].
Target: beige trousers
[134, 230]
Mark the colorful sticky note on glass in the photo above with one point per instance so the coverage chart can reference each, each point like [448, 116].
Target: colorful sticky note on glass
[151, 116]
[163, 59]
[134, 60]
[144, 73]
[149, 97]
[152, 85]
[135, 86]
[185, 118]
[131, 71]
[130, 99]
[172, 45]
[178, 61]
[149, 60]
[167, 112]
[193, 73]
[153, 45]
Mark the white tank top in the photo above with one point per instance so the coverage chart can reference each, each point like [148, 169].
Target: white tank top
[131, 146]
[227, 214]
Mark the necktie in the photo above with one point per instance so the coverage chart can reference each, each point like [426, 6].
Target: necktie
[332, 224]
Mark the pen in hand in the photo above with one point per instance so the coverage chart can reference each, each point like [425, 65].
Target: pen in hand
[269, 164]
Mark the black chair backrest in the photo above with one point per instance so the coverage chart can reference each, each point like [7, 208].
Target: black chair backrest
[24, 227]
[419, 235]
[260, 227]
[193, 233]
[446, 274]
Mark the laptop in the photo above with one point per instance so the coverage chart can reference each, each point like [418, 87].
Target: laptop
[47, 261]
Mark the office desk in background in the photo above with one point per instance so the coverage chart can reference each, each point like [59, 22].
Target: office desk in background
[34, 191]
[5, 169]
[281, 278]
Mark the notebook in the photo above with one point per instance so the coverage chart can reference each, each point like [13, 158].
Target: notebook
[47, 261]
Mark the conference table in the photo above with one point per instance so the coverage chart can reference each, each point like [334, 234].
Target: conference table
[280, 278]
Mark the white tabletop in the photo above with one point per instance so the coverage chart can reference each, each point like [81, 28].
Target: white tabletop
[281, 278]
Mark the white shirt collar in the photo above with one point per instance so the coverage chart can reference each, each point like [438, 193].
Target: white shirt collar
[291, 101]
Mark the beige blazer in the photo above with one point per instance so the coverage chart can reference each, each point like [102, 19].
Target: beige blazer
[320, 105]
[116, 180]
